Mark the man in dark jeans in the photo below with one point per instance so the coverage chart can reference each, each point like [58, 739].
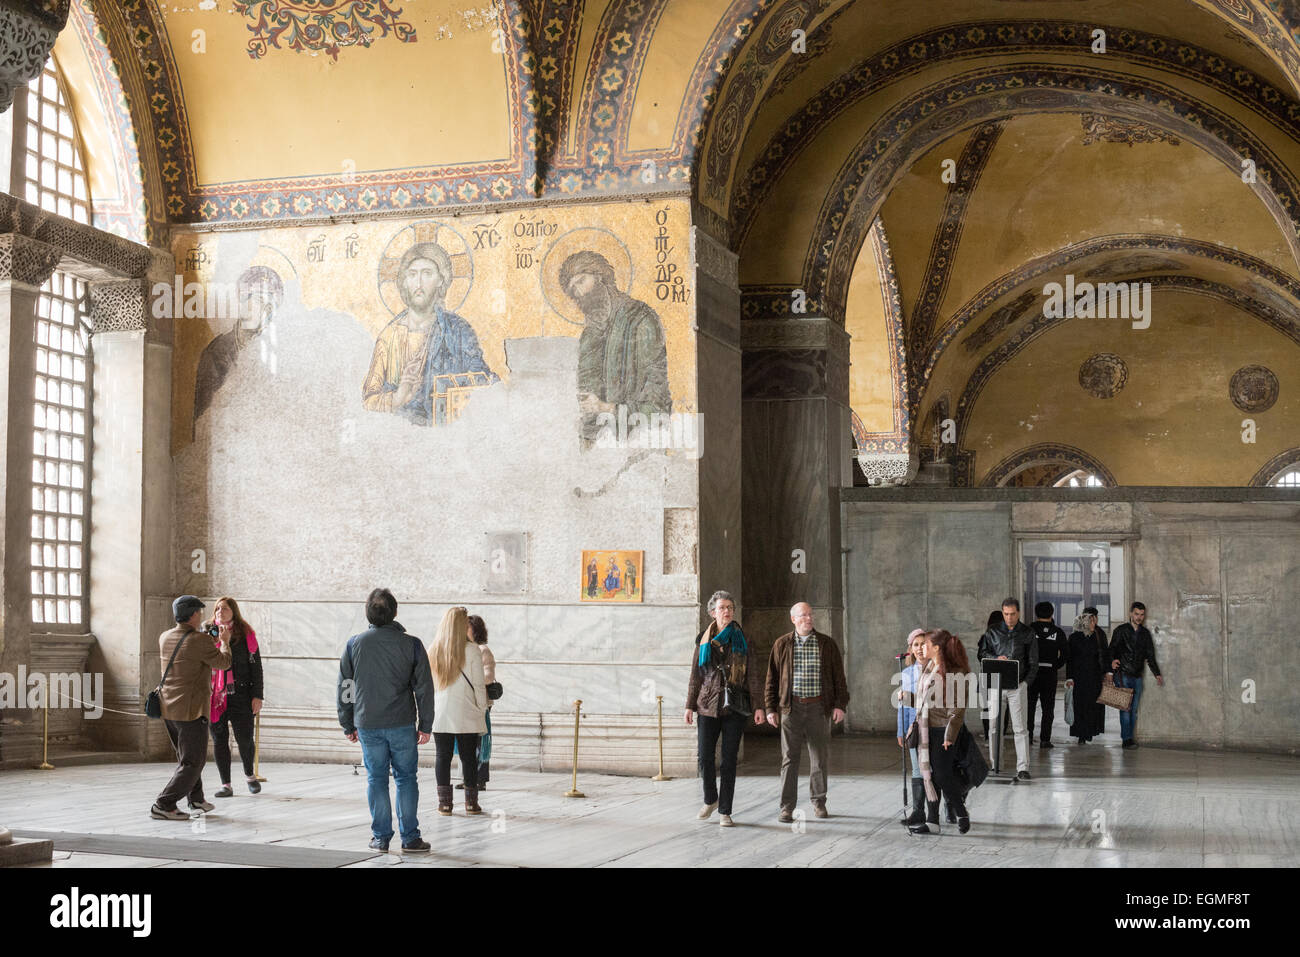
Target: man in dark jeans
[1131, 650]
[188, 658]
[1051, 658]
[383, 678]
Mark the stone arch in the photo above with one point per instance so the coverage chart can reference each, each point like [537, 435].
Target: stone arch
[1046, 453]
[880, 159]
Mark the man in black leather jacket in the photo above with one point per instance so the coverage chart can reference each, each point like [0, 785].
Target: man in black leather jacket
[1131, 650]
[1051, 659]
[1012, 638]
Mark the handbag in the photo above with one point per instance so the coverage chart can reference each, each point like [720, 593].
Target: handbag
[494, 690]
[913, 737]
[153, 703]
[1115, 697]
[1069, 704]
[735, 699]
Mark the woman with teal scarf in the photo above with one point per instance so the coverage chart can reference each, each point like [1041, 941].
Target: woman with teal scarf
[726, 688]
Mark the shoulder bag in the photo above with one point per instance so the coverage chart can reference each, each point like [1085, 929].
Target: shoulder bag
[153, 703]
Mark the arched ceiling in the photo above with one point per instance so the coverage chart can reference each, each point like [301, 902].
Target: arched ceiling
[800, 128]
[256, 110]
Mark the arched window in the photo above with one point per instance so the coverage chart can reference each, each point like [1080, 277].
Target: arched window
[1080, 478]
[1288, 479]
[51, 174]
[52, 171]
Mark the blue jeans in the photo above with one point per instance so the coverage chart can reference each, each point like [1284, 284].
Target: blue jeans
[916, 763]
[381, 747]
[1128, 719]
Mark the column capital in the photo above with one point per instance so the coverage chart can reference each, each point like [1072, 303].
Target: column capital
[26, 260]
[117, 305]
[28, 30]
[715, 260]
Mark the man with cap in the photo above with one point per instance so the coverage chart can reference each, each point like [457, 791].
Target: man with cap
[186, 692]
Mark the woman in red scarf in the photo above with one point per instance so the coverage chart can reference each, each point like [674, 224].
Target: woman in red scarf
[236, 693]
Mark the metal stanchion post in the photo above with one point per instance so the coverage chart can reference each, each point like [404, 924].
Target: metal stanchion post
[573, 792]
[257, 747]
[45, 753]
[661, 776]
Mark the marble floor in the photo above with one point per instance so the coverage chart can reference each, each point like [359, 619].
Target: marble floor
[1095, 806]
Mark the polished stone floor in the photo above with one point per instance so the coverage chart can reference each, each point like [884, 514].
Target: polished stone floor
[1091, 806]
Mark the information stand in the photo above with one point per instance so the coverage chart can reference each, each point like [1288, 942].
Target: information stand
[998, 673]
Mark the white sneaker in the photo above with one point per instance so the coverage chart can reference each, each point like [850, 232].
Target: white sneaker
[724, 820]
[707, 811]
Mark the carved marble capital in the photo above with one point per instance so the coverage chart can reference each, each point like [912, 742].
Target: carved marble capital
[888, 468]
[28, 29]
[26, 260]
[117, 306]
[715, 260]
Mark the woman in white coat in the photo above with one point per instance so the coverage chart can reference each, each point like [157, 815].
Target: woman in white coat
[460, 700]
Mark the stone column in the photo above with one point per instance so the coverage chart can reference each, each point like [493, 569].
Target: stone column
[718, 361]
[130, 551]
[25, 264]
[796, 454]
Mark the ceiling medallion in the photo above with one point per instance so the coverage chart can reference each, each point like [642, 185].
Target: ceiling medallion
[1103, 375]
[1253, 388]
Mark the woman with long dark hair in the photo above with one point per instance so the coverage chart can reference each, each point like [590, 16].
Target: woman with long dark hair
[941, 715]
[236, 693]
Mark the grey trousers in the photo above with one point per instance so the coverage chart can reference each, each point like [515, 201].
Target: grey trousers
[805, 724]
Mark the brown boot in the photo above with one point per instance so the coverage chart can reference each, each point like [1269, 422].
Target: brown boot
[471, 801]
[444, 799]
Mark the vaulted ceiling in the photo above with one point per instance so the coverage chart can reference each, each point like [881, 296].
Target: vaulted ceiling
[919, 170]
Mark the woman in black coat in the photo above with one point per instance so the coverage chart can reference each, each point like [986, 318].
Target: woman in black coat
[1085, 668]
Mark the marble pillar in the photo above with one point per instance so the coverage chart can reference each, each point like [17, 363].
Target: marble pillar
[132, 503]
[797, 456]
[25, 264]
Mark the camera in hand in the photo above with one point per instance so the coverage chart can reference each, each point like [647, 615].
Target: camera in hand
[213, 630]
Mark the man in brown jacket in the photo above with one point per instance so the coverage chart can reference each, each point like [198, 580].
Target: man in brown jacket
[806, 685]
[186, 701]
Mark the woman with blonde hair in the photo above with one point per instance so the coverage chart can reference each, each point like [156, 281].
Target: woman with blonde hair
[459, 703]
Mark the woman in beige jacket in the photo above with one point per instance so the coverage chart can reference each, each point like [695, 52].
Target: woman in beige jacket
[459, 703]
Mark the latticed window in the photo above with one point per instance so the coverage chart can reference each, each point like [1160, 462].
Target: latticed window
[1289, 479]
[53, 171]
[51, 174]
[60, 456]
[1060, 576]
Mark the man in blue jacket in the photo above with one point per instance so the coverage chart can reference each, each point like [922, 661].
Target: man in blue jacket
[384, 678]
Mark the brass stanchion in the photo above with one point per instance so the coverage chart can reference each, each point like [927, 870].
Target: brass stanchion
[45, 750]
[573, 792]
[257, 746]
[661, 776]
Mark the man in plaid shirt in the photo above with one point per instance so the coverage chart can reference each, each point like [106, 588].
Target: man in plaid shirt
[807, 689]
